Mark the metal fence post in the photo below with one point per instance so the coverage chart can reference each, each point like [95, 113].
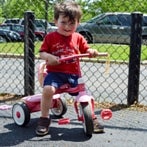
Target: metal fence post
[134, 59]
[29, 56]
[46, 15]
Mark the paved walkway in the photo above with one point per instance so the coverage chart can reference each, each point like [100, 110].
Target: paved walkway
[125, 129]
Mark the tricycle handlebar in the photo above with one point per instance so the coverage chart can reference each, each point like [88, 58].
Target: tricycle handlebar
[101, 54]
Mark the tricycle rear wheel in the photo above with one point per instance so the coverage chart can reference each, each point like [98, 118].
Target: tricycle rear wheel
[20, 114]
[59, 107]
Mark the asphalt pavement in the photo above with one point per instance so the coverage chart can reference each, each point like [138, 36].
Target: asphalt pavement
[126, 128]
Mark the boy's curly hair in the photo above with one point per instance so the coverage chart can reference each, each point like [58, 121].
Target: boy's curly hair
[68, 9]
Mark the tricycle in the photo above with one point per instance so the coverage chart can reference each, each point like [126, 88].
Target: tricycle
[83, 103]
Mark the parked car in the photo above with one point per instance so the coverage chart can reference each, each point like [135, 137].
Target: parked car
[52, 23]
[110, 28]
[9, 36]
[13, 27]
[40, 24]
[39, 35]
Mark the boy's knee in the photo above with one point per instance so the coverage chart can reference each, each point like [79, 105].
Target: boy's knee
[49, 90]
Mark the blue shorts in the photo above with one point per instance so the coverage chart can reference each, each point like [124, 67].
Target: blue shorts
[58, 79]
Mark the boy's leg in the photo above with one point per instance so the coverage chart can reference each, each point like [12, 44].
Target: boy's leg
[48, 92]
[97, 127]
[44, 120]
[57, 80]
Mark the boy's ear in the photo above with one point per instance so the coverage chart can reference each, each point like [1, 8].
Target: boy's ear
[55, 21]
[78, 22]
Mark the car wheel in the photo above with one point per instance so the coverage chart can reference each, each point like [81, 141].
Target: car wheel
[38, 38]
[2, 39]
[87, 36]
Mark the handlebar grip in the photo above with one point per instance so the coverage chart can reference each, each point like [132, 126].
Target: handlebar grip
[103, 54]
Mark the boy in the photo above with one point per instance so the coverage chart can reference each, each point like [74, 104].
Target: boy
[64, 42]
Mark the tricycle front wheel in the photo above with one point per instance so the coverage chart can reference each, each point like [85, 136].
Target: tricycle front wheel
[87, 118]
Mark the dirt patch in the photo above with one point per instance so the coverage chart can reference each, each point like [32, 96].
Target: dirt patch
[116, 107]
[5, 97]
[9, 97]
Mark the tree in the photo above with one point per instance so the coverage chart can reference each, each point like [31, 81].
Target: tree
[90, 8]
[16, 8]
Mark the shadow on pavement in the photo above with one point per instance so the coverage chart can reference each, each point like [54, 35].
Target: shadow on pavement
[16, 135]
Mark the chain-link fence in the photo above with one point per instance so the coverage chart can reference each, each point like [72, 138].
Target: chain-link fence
[109, 32]
[117, 27]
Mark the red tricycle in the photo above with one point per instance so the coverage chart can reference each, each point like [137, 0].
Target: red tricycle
[83, 103]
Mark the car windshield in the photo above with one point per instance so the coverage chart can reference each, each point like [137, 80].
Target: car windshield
[16, 21]
[5, 27]
[145, 21]
[18, 28]
[96, 18]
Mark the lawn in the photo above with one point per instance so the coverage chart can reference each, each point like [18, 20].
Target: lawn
[16, 48]
[117, 52]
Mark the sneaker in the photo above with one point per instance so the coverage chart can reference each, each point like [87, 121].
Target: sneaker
[43, 126]
[97, 127]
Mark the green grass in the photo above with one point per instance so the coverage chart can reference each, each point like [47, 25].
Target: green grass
[117, 52]
[17, 48]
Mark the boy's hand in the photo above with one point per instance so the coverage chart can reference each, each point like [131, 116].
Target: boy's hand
[53, 60]
[93, 52]
[49, 58]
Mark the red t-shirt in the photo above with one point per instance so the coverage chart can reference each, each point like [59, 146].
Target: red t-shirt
[59, 45]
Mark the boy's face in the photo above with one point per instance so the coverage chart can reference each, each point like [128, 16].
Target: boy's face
[66, 27]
